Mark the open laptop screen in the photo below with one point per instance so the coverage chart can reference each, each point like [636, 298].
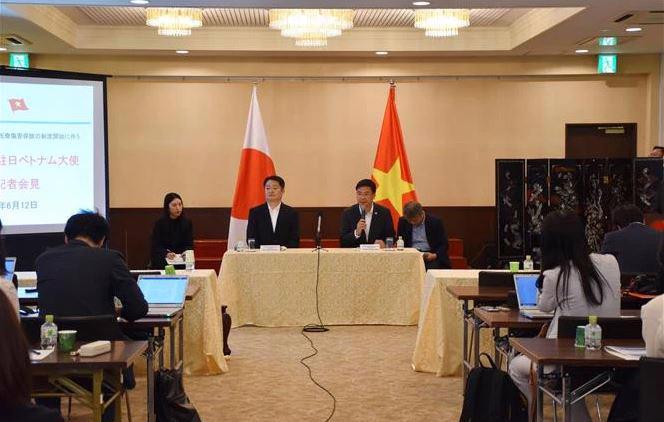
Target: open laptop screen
[10, 266]
[526, 289]
[163, 289]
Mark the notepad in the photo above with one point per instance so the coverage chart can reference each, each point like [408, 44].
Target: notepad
[627, 353]
[38, 354]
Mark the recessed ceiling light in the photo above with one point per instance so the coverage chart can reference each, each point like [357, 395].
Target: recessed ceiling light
[634, 29]
[139, 1]
[581, 51]
[421, 3]
[3, 49]
[382, 53]
[182, 51]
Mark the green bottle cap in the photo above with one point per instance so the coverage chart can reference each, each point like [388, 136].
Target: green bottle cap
[592, 319]
[49, 318]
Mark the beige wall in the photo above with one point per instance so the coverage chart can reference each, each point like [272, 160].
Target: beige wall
[186, 135]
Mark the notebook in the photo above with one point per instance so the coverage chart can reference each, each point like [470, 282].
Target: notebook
[526, 295]
[165, 294]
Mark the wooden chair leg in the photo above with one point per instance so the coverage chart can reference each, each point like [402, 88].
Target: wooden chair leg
[126, 394]
[69, 409]
[226, 322]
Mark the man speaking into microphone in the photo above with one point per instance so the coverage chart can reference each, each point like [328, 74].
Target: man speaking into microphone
[365, 222]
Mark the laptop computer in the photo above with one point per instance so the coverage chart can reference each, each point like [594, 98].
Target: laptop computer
[526, 295]
[165, 294]
[10, 266]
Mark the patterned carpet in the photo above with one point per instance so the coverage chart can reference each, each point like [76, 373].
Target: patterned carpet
[367, 368]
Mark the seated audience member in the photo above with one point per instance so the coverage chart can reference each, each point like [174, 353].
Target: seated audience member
[652, 316]
[575, 283]
[6, 286]
[657, 151]
[365, 222]
[274, 223]
[80, 278]
[426, 233]
[634, 244]
[172, 234]
[15, 379]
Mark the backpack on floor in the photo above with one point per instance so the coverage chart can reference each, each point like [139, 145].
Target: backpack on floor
[491, 396]
[171, 402]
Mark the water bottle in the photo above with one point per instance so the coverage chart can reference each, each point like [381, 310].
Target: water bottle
[49, 334]
[400, 243]
[528, 263]
[593, 334]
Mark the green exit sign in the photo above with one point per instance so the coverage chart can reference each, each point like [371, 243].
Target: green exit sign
[20, 60]
[607, 63]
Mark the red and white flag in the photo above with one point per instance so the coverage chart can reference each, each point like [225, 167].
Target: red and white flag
[255, 165]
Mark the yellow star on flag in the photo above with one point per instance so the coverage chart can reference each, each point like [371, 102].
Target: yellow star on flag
[391, 186]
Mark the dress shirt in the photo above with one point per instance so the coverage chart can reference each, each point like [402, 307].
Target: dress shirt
[652, 315]
[420, 241]
[367, 219]
[274, 214]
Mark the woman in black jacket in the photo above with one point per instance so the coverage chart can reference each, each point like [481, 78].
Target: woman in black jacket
[173, 233]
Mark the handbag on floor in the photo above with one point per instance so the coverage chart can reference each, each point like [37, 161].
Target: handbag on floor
[491, 396]
[171, 402]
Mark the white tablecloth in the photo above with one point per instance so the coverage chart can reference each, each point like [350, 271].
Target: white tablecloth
[274, 289]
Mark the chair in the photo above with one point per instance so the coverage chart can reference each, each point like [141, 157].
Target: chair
[615, 328]
[651, 405]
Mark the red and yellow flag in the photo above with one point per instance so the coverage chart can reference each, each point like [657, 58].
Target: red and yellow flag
[391, 171]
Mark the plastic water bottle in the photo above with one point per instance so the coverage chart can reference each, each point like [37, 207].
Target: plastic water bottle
[528, 263]
[49, 333]
[400, 243]
[593, 334]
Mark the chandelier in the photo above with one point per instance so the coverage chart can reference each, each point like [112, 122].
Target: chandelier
[442, 22]
[174, 21]
[311, 27]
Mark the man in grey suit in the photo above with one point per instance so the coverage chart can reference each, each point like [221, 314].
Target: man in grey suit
[634, 244]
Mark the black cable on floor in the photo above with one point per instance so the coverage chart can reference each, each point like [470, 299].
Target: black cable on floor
[316, 328]
[329, 393]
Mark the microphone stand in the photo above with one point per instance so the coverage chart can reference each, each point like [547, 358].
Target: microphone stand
[317, 328]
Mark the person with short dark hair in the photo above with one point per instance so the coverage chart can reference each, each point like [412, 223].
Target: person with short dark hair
[15, 378]
[173, 233]
[634, 244]
[426, 233]
[80, 278]
[657, 151]
[7, 287]
[365, 222]
[273, 222]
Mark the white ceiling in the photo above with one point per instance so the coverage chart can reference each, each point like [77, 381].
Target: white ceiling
[498, 27]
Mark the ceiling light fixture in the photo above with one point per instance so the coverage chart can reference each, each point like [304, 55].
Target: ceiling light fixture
[442, 22]
[421, 3]
[182, 51]
[311, 27]
[139, 1]
[174, 21]
[581, 51]
[634, 29]
[3, 49]
[381, 53]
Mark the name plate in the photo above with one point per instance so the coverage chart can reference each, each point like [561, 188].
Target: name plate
[370, 247]
[270, 248]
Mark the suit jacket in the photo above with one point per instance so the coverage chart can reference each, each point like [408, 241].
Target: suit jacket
[636, 247]
[436, 236]
[78, 280]
[287, 232]
[170, 235]
[30, 413]
[381, 226]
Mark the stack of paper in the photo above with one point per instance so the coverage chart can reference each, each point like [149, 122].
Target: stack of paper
[627, 353]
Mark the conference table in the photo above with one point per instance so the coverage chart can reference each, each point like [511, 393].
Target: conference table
[202, 323]
[277, 289]
[439, 342]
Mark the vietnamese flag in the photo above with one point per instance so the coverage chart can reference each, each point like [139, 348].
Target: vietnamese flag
[17, 104]
[391, 171]
[255, 165]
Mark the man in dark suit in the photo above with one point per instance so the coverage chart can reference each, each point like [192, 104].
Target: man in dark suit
[425, 233]
[274, 223]
[634, 244]
[365, 222]
[81, 278]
